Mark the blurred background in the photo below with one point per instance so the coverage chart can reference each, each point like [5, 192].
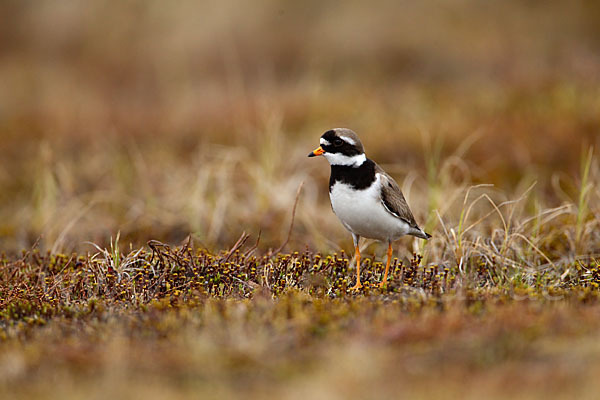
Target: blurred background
[162, 119]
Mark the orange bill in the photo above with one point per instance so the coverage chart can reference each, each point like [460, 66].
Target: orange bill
[317, 152]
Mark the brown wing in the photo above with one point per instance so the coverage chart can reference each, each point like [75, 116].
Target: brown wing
[393, 199]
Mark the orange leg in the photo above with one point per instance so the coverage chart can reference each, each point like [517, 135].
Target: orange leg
[387, 265]
[358, 284]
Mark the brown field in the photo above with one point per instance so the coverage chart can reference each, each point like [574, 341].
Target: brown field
[141, 140]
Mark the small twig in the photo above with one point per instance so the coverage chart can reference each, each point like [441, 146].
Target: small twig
[251, 249]
[154, 244]
[33, 247]
[293, 218]
[189, 249]
[237, 245]
[188, 242]
[243, 282]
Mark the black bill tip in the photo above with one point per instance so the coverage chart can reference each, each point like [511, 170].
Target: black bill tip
[312, 154]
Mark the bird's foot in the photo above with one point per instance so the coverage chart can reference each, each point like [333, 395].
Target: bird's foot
[357, 286]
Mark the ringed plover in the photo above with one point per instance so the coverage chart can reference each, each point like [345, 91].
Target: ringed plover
[368, 201]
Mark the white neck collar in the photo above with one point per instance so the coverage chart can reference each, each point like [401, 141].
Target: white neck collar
[341, 159]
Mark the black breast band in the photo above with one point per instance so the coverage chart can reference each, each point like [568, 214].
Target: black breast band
[359, 178]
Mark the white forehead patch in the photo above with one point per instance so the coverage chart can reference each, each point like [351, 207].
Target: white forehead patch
[348, 140]
[324, 142]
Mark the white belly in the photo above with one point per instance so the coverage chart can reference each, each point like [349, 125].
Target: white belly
[363, 214]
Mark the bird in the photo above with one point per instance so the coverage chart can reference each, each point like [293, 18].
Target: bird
[367, 201]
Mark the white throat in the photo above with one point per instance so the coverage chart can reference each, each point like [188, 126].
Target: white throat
[340, 159]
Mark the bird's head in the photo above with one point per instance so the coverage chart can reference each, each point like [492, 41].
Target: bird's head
[341, 146]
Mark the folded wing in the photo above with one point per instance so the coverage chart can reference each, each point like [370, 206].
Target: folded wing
[394, 202]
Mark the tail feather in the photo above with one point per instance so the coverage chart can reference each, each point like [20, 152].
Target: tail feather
[420, 233]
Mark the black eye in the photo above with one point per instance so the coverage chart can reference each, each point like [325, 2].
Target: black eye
[338, 142]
